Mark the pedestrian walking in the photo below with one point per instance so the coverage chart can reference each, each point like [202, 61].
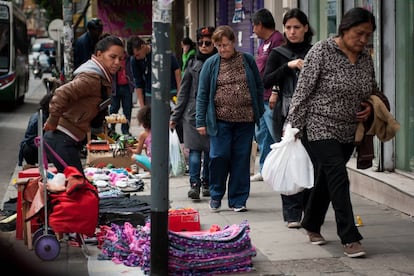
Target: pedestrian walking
[185, 110]
[264, 27]
[228, 106]
[326, 107]
[282, 70]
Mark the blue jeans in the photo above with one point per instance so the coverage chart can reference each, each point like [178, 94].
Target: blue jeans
[230, 159]
[196, 160]
[123, 95]
[264, 134]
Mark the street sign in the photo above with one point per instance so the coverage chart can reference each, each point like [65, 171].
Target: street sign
[55, 29]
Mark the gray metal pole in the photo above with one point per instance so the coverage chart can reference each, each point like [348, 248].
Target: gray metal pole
[67, 39]
[160, 114]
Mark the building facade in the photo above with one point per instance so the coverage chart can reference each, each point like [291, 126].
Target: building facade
[392, 48]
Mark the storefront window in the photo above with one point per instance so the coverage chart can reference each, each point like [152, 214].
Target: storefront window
[327, 17]
[405, 84]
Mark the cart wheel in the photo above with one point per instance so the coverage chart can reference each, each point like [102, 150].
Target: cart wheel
[39, 232]
[47, 247]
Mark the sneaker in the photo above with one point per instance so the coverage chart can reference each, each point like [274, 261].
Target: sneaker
[316, 238]
[240, 209]
[354, 250]
[215, 205]
[294, 224]
[194, 192]
[256, 177]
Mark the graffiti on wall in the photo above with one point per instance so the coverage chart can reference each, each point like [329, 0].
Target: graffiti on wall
[125, 18]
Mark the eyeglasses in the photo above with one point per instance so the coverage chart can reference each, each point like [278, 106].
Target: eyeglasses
[219, 45]
[207, 43]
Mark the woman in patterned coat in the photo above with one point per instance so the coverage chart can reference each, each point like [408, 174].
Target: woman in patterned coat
[330, 99]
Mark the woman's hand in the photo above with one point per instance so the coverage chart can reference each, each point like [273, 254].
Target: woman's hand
[273, 100]
[172, 124]
[365, 112]
[47, 127]
[202, 130]
[296, 64]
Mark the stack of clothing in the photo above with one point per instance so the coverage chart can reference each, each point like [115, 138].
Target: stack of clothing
[190, 253]
[210, 253]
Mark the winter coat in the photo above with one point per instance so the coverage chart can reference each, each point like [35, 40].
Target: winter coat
[76, 103]
[186, 107]
[206, 109]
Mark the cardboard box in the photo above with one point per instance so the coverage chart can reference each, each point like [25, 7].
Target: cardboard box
[185, 219]
[106, 158]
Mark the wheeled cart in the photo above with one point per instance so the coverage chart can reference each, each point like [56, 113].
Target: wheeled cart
[73, 209]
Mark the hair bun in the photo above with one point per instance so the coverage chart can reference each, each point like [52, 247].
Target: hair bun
[205, 31]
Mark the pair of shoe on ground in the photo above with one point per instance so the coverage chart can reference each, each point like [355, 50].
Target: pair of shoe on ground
[215, 206]
[194, 192]
[352, 250]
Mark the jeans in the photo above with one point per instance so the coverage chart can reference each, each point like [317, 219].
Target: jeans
[230, 160]
[123, 95]
[294, 205]
[196, 160]
[329, 159]
[264, 134]
[66, 148]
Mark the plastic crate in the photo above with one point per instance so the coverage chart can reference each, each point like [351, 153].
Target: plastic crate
[33, 172]
[185, 219]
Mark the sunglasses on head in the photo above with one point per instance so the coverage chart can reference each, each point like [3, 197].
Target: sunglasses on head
[207, 43]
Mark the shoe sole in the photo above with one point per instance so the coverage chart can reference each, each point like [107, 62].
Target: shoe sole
[214, 210]
[294, 226]
[240, 210]
[318, 242]
[355, 255]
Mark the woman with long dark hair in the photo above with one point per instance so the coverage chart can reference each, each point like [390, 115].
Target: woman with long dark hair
[282, 71]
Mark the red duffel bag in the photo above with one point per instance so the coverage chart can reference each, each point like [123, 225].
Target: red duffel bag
[77, 209]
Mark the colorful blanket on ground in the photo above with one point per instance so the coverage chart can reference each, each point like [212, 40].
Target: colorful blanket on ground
[202, 253]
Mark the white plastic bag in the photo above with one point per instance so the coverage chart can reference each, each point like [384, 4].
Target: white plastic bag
[288, 168]
[177, 158]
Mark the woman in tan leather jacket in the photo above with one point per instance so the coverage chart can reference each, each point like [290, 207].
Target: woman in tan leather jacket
[77, 103]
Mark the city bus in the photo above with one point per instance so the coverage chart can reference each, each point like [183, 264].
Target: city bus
[14, 51]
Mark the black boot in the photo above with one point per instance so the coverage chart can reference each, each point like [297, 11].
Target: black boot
[205, 188]
[194, 192]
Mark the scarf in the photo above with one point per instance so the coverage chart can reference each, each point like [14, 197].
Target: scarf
[203, 57]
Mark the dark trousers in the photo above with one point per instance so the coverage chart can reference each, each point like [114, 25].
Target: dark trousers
[294, 205]
[123, 96]
[65, 147]
[30, 154]
[329, 158]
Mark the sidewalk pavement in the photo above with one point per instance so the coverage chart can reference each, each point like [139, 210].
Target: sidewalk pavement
[388, 239]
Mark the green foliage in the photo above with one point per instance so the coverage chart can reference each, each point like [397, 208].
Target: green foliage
[53, 8]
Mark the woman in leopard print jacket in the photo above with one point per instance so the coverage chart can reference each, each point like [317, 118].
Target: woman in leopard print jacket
[330, 98]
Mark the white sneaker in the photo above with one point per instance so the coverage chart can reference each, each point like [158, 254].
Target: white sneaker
[256, 177]
[144, 175]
